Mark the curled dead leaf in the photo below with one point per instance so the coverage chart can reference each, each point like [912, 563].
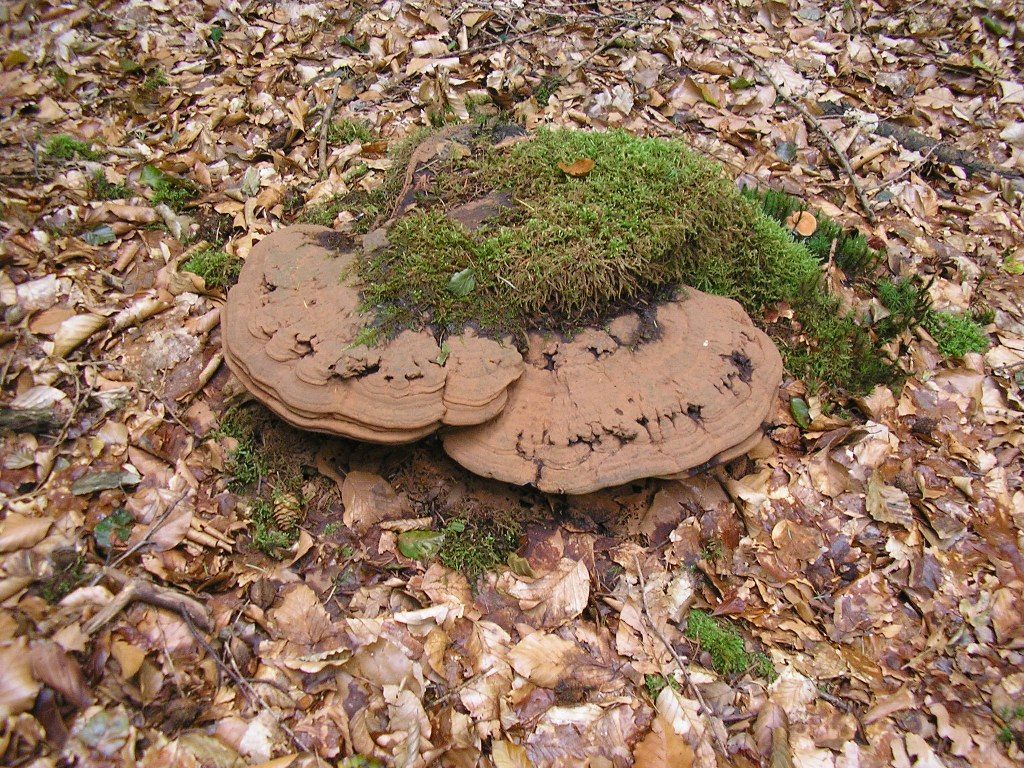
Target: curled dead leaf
[74, 331]
[802, 222]
[577, 169]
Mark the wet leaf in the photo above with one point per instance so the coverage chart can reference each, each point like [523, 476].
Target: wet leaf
[786, 151]
[103, 481]
[115, 527]
[801, 413]
[152, 176]
[442, 358]
[578, 168]
[420, 545]
[100, 236]
[462, 283]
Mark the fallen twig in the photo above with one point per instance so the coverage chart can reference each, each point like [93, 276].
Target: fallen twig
[138, 590]
[156, 525]
[702, 705]
[840, 155]
[325, 125]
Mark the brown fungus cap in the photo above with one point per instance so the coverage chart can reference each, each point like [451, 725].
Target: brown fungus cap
[291, 326]
[607, 407]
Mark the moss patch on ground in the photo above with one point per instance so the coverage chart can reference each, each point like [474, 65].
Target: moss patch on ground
[725, 646]
[218, 269]
[573, 249]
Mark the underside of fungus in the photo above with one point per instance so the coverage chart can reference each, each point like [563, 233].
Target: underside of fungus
[659, 390]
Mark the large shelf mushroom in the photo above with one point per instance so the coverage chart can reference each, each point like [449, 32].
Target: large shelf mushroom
[292, 330]
[608, 407]
[685, 385]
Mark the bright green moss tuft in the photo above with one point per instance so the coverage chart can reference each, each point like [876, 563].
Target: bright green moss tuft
[725, 646]
[217, 268]
[955, 334]
[65, 148]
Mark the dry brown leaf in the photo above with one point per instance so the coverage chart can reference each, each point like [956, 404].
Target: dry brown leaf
[556, 597]
[505, 754]
[888, 504]
[543, 659]
[18, 688]
[19, 531]
[662, 747]
[577, 169]
[802, 222]
[52, 665]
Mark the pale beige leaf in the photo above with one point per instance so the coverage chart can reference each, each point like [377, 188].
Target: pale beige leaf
[74, 331]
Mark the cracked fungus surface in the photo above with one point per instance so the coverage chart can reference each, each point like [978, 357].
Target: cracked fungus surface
[291, 331]
[602, 410]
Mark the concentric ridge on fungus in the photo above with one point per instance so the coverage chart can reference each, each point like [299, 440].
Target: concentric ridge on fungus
[604, 407]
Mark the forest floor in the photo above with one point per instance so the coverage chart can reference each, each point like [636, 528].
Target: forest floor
[852, 597]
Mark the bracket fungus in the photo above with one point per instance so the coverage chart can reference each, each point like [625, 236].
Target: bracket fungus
[292, 335]
[606, 408]
[659, 380]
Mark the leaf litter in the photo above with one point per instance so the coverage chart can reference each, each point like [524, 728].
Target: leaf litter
[870, 554]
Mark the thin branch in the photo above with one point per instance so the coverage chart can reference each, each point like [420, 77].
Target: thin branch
[701, 704]
[325, 125]
[840, 155]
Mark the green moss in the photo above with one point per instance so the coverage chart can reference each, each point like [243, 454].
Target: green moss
[68, 575]
[725, 646]
[65, 148]
[246, 462]
[369, 206]
[655, 684]
[101, 189]
[650, 216]
[833, 350]
[475, 547]
[176, 193]
[155, 80]
[266, 536]
[848, 249]
[955, 334]
[548, 85]
[908, 303]
[217, 268]
[348, 131]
